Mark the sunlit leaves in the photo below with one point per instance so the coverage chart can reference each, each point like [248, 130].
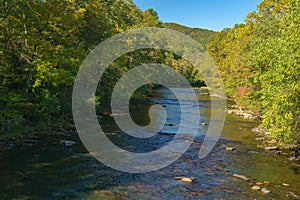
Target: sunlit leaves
[265, 55]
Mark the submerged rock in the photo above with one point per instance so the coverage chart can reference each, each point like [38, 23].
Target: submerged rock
[241, 177]
[292, 158]
[68, 143]
[31, 141]
[11, 145]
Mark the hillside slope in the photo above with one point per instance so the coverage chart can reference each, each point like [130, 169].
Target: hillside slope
[200, 35]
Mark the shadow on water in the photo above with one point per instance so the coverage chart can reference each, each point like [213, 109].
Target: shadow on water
[49, 170]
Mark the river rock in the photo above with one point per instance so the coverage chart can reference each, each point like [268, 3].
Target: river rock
[241, 177]
[271, 148]
[260, 139]
[265, 191]
[290, 147]
[279, 152]
[31, 141]
[255, 187]
[259, 130]
[68, 143]
[11, 145]
[292, 158]
[179, 177]
[229, 148]
[294, 195]
[266, 183]
[272, 141]
[187, 180]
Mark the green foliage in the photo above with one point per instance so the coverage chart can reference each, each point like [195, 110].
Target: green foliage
[42, 45]
[259, 62]
[202, 36]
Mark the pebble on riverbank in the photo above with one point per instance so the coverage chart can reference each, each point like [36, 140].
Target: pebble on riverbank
[240, 112]
[272, 148]
[260, 139]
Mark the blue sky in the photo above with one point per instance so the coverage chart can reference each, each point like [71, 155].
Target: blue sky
[209, 14]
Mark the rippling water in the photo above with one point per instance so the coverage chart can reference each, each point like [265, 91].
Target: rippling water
[49, 170]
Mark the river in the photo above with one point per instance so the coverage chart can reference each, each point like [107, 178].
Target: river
[50, 170]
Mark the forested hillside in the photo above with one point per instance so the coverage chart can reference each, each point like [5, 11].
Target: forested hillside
[42, 46]
[260, 64]
[44, 42]
[202, 36]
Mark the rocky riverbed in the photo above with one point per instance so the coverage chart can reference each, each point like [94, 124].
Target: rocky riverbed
[56, 165]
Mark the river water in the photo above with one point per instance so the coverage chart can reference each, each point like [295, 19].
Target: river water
[49, 170]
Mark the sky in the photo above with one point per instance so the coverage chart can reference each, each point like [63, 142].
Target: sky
[210, 14]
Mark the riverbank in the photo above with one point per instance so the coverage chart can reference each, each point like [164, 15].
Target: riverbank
[274, 145]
